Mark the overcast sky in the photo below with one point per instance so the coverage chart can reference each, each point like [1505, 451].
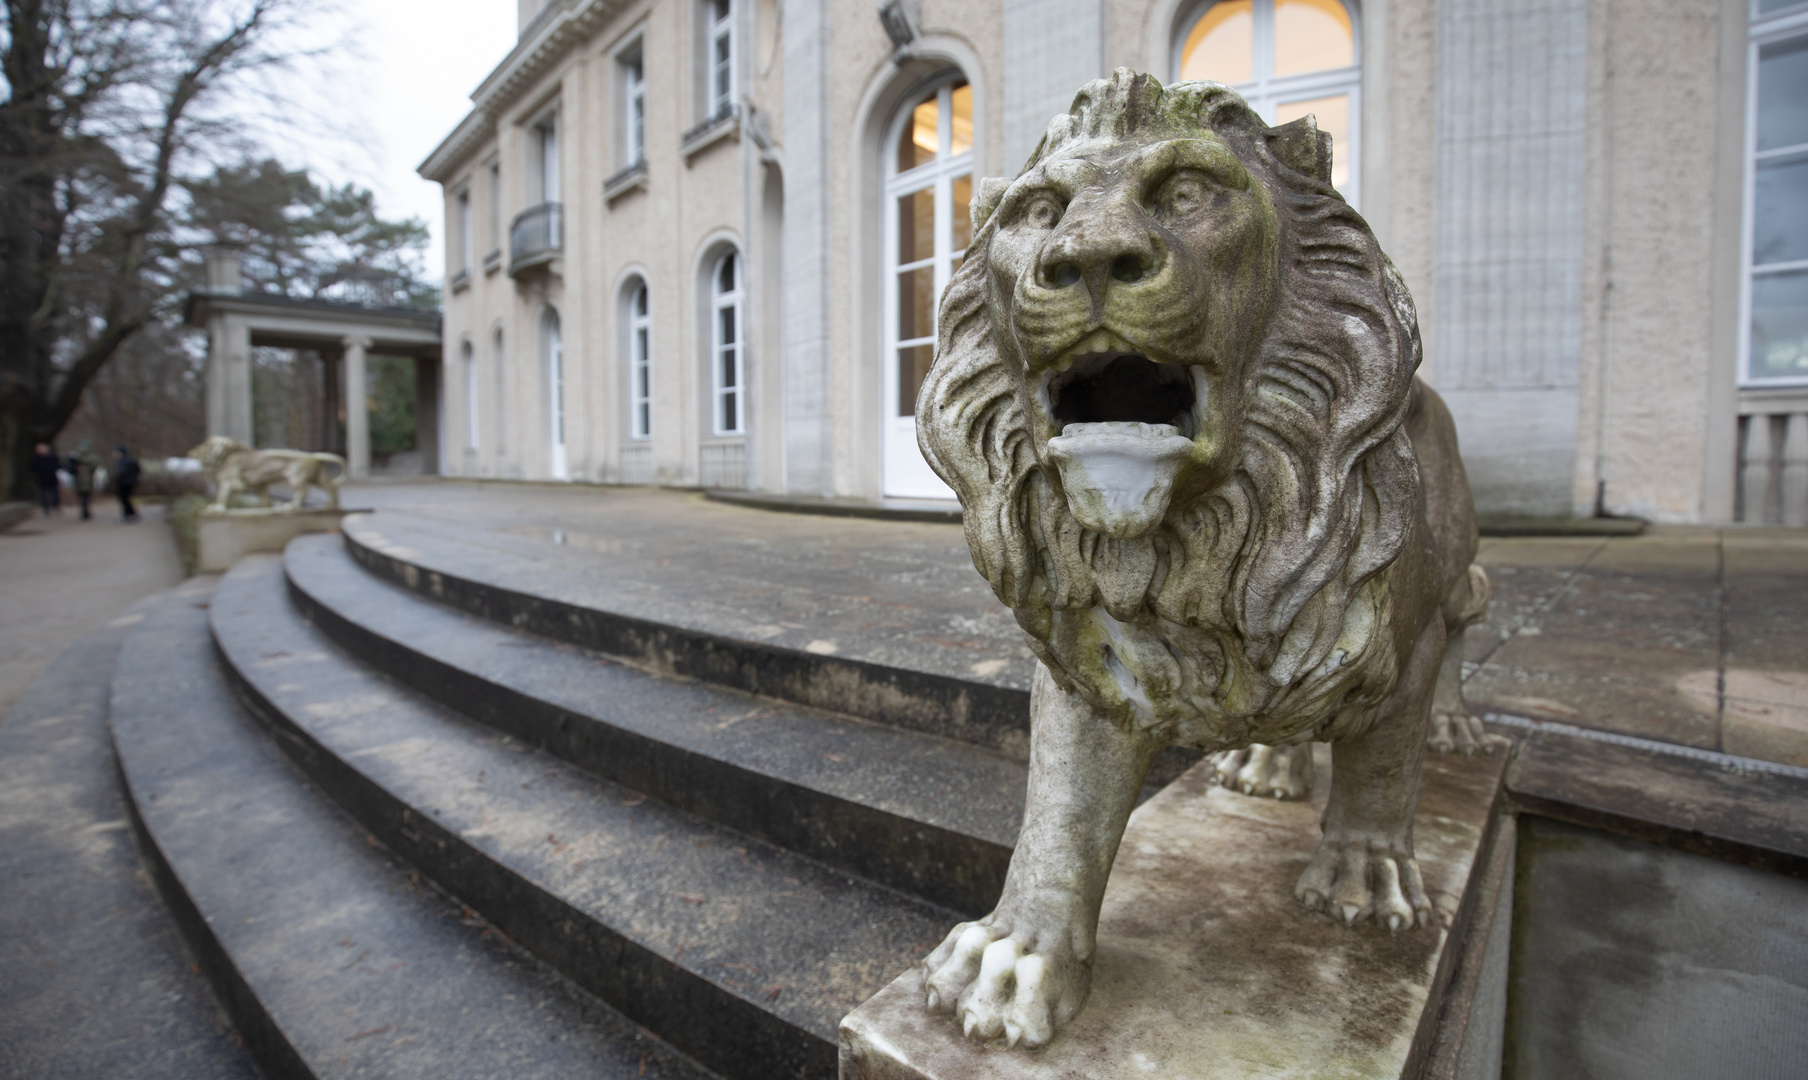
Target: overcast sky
[372, 111]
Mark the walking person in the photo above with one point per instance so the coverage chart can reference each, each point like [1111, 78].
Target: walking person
[125, 479]
[44, 467]
[81, 466]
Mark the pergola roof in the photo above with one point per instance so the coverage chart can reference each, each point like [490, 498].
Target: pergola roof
[290, 323]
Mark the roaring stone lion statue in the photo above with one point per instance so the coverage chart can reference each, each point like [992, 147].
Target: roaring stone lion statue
[232, 467]
[1175, 393]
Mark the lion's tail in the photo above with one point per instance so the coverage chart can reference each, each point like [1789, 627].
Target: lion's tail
[338, 461]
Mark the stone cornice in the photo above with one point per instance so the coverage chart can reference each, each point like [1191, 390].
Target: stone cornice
[552, 34]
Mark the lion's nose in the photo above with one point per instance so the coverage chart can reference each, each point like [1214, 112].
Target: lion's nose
[1104, 250]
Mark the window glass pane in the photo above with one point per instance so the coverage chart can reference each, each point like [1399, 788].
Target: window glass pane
[913, 368]
[729, 415]
[1765, 7]
[640, 345]
[916, 303]
[1780, 211]
[1333, 116]
[963, 217]
[1779, 330]
[1312, 35]
[727, 316]
[729, 382]
[645, 414]
[1783, 94]
[1221, 46]
[725, 278]
[917, 144]
[640, 300]
[916, 226]
[963, 119]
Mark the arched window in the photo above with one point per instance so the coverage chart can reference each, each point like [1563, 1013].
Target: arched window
[498, 373]
[727, 354]
[552, 353]
[928, 186]
[468, 360]
[1288, 58]
[640, 360]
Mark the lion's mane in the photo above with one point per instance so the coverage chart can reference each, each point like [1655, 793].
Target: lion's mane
[1279, 571]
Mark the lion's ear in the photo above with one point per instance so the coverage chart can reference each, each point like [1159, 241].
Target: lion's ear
[986, 199]
[1304, 147]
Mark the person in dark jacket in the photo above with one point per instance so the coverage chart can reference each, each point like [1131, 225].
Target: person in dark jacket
[81, 466]
[44, 466]
[125, 479]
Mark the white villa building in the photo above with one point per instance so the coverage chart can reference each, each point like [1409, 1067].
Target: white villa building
[698, 242]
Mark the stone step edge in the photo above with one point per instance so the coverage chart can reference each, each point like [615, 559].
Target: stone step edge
[458, 868]
[830, 836]
[980, 713]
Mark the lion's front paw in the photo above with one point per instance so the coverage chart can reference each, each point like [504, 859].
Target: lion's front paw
[1014, 982]
[1355, 878]
[1282, 772]
[1454, 731]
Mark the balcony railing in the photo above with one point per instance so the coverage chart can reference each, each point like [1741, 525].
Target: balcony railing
[536, 237]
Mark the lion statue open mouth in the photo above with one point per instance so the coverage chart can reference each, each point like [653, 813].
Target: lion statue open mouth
[1175, 393]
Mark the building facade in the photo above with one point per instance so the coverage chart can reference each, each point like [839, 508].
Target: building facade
[699, 242]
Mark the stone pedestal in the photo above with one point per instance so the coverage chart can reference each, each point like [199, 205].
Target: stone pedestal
[225, 537]
[1208, 968]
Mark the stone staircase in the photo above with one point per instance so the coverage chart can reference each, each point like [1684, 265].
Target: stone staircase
[423, 809]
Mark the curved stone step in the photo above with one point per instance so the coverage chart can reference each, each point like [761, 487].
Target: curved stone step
[930, 816]
[677, 625]
[332, 957]
[741, 954]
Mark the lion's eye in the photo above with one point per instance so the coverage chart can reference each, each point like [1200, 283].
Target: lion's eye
[1042, 212]
[1183, 196]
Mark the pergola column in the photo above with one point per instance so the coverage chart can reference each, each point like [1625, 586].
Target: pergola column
[229, 378]
[357, 414]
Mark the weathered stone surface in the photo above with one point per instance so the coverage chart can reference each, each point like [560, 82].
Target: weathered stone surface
[225, 537]
[1207, 967]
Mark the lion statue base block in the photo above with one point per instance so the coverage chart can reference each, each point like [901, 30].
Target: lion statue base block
[1205, 962]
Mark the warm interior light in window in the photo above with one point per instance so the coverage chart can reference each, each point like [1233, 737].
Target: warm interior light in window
[963, 119]
[1333, 116]
[917, 145]
[1312, 35]
[1221, 46]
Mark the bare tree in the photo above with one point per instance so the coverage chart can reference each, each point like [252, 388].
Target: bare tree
[109, 101]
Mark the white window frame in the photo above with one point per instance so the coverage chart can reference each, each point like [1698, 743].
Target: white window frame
[544, 146]
[1266, 92]
[640, 362]
[1766, 30]
[718, 59]
[498, 379]
[632, 63]
[939, 175]
[494, 171]
[723, 391]
[468, 355]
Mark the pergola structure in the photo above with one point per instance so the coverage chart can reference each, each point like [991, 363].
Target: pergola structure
[344, 335]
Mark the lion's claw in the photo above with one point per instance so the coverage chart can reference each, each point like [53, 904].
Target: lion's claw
[1010, 988]
[1354, 879]
[1456, 732]
[1282, 772]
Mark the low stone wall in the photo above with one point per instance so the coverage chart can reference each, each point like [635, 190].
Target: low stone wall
[230, 535]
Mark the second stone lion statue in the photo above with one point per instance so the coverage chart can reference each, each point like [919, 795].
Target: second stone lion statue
[233, 467]
[1175, 393]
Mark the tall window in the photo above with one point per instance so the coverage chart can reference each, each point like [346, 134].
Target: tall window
[468, 357]
[467, 242]
[1287, 58]
[546, 158]
[1777, 288]
[498, 375]
[640, 362]
[927, 226]
[634, 109]
[728, 355]
[552, 348]
[495, 196]
[720, 68]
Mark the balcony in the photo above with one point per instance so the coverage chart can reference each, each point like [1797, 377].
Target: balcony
[536, 239]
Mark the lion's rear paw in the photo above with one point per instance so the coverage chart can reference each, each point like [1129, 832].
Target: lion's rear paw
[1281, 772]
[1015, 987]
[1354, 879]
[1454, 731]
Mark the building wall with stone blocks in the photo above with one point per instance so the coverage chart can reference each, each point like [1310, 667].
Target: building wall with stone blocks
[1561, 182]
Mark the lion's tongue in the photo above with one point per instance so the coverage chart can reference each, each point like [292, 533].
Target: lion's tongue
[1119, 475]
